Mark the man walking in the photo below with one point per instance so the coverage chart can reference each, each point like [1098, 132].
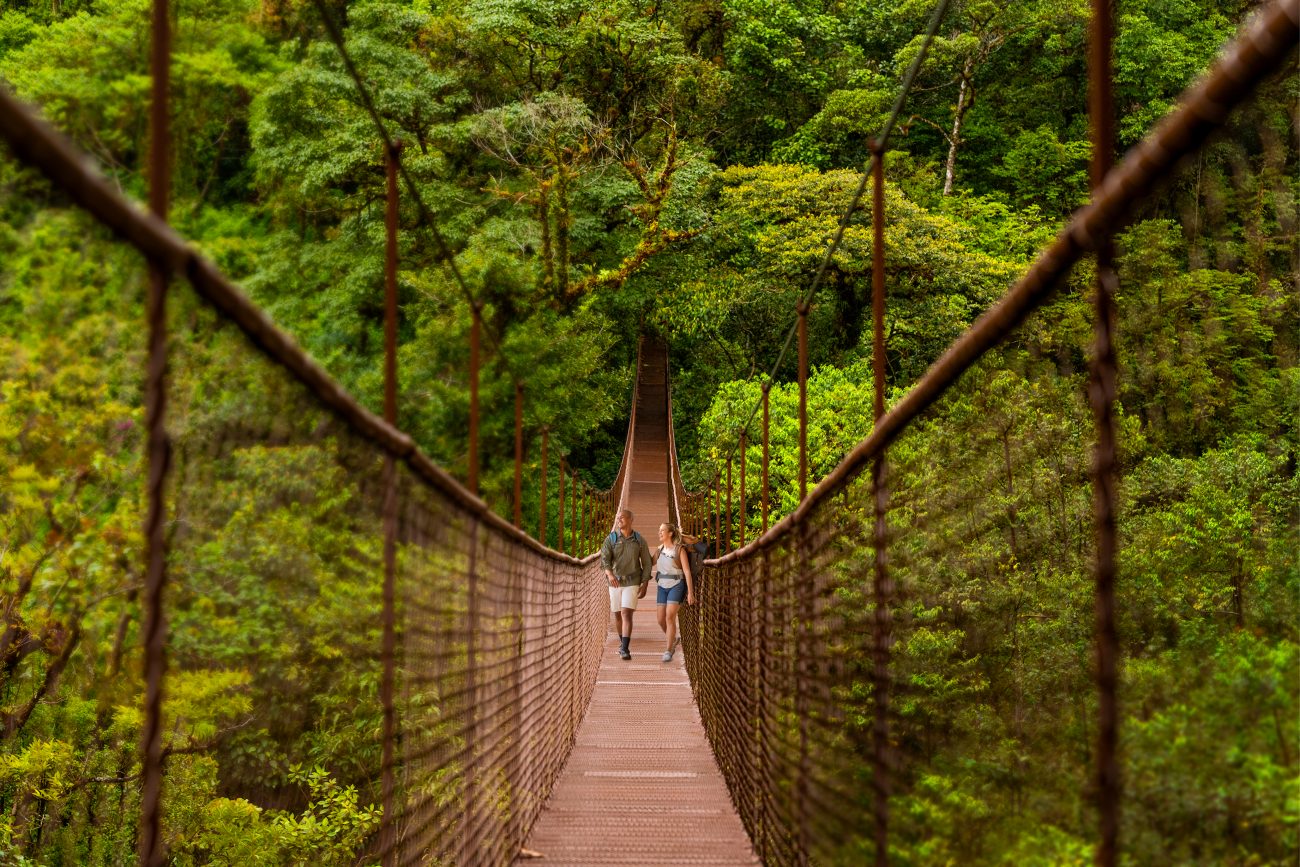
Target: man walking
[625, 557]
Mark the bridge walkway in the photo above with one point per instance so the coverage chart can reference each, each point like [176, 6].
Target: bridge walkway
[641, 786]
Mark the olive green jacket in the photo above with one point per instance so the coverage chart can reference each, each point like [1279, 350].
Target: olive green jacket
[628, 557]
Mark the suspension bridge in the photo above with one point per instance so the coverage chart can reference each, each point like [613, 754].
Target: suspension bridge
[507, 726]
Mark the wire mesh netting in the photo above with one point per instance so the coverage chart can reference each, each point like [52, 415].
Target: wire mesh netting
[988, 544]
[990, 620]
[277, 567]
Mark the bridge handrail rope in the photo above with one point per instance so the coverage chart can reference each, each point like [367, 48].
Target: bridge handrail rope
[1261, 46]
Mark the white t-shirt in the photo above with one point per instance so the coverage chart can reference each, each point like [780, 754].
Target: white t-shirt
[669, 572]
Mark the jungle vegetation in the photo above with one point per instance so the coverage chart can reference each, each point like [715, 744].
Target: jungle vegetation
[673, 166]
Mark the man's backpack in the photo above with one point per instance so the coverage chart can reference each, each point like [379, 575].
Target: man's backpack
[613, 537]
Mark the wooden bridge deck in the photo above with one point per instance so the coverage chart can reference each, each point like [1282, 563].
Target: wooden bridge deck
[641, 786]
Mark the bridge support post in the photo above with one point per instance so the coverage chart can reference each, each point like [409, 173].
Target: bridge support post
[561, 543]
[803, 400]
[388, 653]
[762, 630]
[475, 339]
[519, 454]
[541, 516]
[883, 589]
[767, 388]
[1101, 392]
[468, 830]
[729, 536]
[717, 518]
[804, 591]
[743, 445]
[158, 451]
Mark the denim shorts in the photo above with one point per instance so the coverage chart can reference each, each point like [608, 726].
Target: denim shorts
[674, 594]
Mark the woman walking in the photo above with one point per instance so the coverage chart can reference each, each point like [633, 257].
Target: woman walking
[673, 570]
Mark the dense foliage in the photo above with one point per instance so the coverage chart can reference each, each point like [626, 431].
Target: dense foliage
[600, 170]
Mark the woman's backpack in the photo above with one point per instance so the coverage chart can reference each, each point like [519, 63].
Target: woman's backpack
[696, 552]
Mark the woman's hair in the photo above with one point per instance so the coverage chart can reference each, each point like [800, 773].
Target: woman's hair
[673, 533]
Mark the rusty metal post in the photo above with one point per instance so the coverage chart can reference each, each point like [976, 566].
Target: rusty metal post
[1101, 390]
[475, 339]
[573, 514]
[744, 443]
[729, 537]
[519, 454]
[804, 589]
[803, 401]
[561, 543]
[388, 655]
[767, 388]
[469, 844]
[718, 516]
[541, 517]
[158, 450]
[882, 780]
[391, 157]
[878, 275]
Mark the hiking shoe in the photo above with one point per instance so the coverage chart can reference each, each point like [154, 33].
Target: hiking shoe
[624, 653]
[668, 656]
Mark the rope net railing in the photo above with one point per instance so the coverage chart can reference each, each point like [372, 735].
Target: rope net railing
[279, 510]
[335, 628]
[940, 590]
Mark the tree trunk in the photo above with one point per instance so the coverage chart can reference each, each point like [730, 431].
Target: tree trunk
[965, 98]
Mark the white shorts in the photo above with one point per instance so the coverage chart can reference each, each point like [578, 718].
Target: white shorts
[622, 597]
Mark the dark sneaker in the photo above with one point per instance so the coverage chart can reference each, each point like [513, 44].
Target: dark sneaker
[624, 653]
